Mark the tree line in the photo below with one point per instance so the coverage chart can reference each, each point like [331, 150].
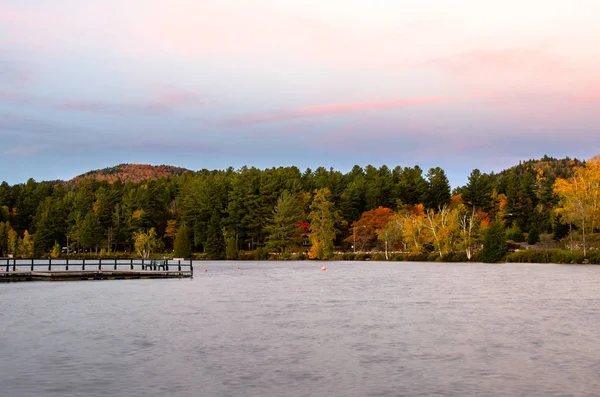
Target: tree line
[222, 212]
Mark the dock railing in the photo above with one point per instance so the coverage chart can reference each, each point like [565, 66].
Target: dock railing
[15, 265]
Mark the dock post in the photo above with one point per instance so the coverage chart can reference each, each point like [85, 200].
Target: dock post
[31, 264]
[49, 264]
[115, 263]
[14, 264]
[131, 263]
[83, 264]
[192, 267]
[143, 268]
[67, 265]
[179, 265]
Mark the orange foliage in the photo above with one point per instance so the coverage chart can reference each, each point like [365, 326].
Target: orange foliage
[484, 217]
[131, 173]
[456, 199]
[365, 228]
[417, 210]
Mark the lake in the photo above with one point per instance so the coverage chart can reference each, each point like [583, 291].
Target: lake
[289, 329]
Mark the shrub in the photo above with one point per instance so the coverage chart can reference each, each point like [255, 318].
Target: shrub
[260, 254]
[380, 256]
[515, 234]
[533, 236]
[494, 243]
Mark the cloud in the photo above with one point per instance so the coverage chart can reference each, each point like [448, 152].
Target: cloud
[26, 150]
[338, 109]
[513, 69]
[8, 15]
[164, 101]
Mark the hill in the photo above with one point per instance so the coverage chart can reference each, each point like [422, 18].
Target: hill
[131, 173]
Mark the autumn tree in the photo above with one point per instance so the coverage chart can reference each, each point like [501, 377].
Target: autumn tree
[284, 229]
[413, 229]
[363, 233]
[579, 198]
[322, 219]
[13, 242]
[443, 228]
[146, 243]
[469, 223]
[26, 245]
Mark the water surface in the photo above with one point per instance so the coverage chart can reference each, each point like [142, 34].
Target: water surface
[289, 329]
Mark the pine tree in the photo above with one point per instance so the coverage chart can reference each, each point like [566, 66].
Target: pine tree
[494, 243]
[182, 247]
[284, 230]
[438, 189]
[214, 247]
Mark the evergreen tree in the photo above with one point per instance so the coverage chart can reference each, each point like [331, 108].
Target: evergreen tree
[182, 247]
[214, 247]
[90, 232]
[4, 226]
[412, 186]
[494, 243]
[533, 236]
[284, 230]
[438, 189]
[477, 192]
[322, 219]
[231, 252]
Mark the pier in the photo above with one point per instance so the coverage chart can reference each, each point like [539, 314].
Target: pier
[12, 270]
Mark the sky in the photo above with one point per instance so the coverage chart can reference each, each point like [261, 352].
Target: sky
[459, 84]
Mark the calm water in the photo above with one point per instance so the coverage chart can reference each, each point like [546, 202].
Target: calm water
[289, 329]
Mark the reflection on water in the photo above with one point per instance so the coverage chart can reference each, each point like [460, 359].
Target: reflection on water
[290, 329]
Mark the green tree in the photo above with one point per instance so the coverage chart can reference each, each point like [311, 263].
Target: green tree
[322, 219]
[412, 186]
[90, 234]
[214, 247]
[284, 230]
[533, 236]
[438, 189]
[4, 227]
[231, 252]
[182, 246]
[494, 243]
[477, 192]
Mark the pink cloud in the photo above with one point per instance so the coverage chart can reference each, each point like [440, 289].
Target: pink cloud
[522, 69]
[340, 109]
[9, 15]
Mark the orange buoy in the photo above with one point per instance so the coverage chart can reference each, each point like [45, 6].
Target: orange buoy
[323, 268]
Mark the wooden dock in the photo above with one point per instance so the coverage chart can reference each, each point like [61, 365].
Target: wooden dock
[71, 270]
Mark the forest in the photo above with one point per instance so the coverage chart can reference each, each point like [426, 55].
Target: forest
[283, 212]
